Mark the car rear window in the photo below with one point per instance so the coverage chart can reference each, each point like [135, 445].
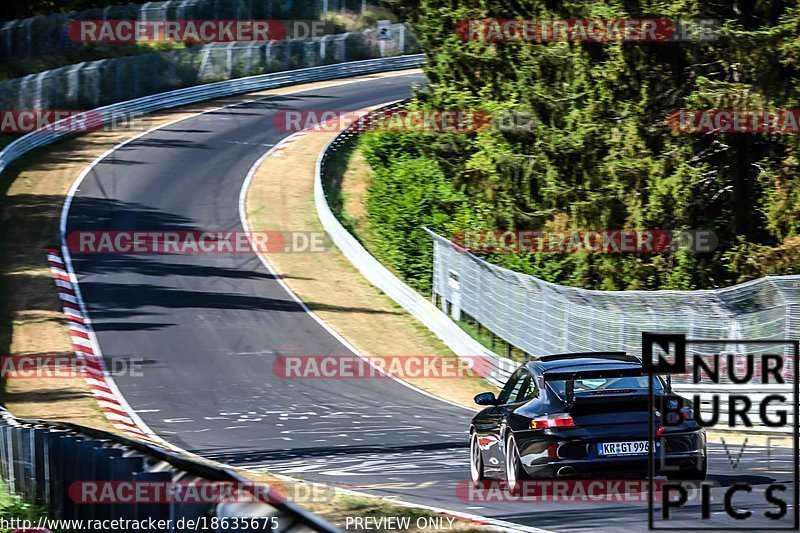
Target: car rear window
[588, 386]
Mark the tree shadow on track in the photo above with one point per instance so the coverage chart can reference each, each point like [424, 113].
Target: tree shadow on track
[248, 457]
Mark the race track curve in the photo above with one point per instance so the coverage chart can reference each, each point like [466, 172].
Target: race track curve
[209, 327]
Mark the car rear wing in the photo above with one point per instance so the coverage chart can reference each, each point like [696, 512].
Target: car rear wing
[569, 376]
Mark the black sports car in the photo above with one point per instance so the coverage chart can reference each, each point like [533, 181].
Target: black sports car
[583, 414]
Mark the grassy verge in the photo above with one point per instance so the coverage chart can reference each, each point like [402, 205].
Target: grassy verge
[347, 181]
[281, 199]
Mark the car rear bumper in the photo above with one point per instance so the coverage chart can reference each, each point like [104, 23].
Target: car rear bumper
[554, 455]
[617, 465]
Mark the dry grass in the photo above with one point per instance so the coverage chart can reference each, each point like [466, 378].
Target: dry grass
[281, 199]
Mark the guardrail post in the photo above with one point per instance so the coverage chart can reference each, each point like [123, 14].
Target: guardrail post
[68, 445]
[53, 465]
[16, 451]
[4, 468]
[188, 511]
[122, 469]
[101, 471]
[156, 511]
[40, 467]
[26, 462]
[86, 451]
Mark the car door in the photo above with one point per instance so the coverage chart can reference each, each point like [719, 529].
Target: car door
[490, 423]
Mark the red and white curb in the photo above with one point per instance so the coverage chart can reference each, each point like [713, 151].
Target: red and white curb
[324, 127]
[278, 150]
[86, 350]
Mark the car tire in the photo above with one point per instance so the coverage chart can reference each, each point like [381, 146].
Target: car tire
[693, 474]
[513, 465]
[475, 459]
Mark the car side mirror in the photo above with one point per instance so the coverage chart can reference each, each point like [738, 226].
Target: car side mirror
[486, 398]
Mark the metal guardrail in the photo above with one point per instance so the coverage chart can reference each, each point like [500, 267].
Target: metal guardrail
[40, 460]
[190, 95]
[446, 329]
[461, 343]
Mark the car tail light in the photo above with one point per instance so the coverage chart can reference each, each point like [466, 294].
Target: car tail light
[553, 421]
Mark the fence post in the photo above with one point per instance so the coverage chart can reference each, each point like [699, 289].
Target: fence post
[73, 82]
[267, 56]
[229, 59]
[96, 81]
[143, 10]
[28, 24]
[37, 92]
[205, 51]
[249, 57]
[181, 11]
[8, 29]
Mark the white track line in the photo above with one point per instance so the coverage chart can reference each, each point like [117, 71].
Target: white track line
[503, 524]
[142, 426]
[246, 225]
[67, 258]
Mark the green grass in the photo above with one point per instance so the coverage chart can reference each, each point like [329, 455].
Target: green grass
[11, 506]
[338, 164]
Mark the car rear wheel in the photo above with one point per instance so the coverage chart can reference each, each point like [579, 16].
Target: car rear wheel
[514, 472]
[475, 459]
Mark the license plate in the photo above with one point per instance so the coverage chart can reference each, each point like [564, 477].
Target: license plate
[623, 448]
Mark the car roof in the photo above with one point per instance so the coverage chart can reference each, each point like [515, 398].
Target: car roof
[584, 360]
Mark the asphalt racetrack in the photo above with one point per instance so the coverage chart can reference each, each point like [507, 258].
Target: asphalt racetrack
[208, 328]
